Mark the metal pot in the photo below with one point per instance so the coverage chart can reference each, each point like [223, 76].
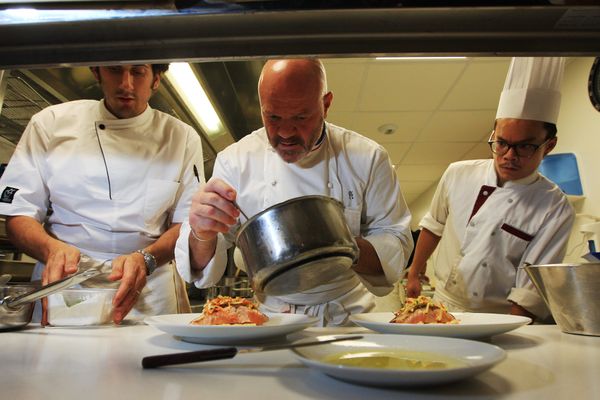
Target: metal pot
[297, 245]
[17, 301]
[572, 293]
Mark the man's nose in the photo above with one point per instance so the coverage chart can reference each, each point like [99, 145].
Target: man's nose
[511, 153]
[126, 80]
[287, 129]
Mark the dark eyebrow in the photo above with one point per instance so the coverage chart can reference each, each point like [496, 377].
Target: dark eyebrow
[524, 141]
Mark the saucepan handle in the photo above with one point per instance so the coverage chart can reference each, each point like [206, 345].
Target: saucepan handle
[188, 357]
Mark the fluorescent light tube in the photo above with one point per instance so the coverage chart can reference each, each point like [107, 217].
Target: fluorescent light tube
[182, 77]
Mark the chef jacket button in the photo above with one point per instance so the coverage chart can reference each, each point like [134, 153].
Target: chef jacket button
[462, 253]
[484, 264]
[453, 281]
[101, 126]
[510, 200]
[475, 294]
[493, 233]
[472, 223]
[485, 193]
[329, 185]
[273, 183]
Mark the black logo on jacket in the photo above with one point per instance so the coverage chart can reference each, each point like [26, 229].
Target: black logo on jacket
[8, 195]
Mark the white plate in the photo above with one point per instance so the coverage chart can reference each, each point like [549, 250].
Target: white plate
[476, 357]
[472, 325]
[277, 325]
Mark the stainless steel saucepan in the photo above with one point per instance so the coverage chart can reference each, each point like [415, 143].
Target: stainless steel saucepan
[17, 301]
[297, 245]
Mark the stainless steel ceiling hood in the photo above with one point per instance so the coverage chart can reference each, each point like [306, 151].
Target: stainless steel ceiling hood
[229, 33]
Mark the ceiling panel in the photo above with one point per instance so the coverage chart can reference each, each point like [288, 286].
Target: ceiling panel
[435, 153]
[397, 151]
[408, 85]
[410, 197]
[344, 79]
[405, 125]
[429, 172]
[417, 187]
[479, 86]
[481, 150]
[458, 126]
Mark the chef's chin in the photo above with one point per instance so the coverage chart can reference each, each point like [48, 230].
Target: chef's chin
[509, 174]
[290, 156]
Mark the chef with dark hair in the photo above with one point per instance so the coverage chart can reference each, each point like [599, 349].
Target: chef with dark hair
[488, 217]
[112, 179]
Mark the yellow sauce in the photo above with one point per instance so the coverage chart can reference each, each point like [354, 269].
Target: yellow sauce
[397, 359]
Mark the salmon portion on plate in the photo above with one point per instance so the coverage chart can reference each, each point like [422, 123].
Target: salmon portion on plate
[226, 310]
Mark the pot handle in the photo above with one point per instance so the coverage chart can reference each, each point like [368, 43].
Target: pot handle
[51, 288]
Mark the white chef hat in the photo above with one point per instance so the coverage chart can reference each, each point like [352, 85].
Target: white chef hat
[532, 89]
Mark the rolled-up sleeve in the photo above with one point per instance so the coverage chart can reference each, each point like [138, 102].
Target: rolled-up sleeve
[435, 219]
[214, 270]
[24, 176]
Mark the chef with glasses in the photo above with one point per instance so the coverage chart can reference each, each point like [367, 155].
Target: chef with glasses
[488, 217]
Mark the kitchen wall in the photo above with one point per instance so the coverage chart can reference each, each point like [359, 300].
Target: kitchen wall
[579, 133]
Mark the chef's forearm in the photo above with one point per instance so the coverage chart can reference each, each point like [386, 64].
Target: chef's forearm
[426, 245]
[163, 249]
[368, 261]
[201, 251]
[28, 235]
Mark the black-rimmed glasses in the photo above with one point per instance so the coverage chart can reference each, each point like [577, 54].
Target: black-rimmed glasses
[525, 150]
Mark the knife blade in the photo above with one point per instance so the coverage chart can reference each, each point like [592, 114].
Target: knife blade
[222, 353]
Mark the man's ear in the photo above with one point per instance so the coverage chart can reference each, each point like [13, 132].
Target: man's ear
[96, 72]
[156, 82]
[551, 145]
[327, 100]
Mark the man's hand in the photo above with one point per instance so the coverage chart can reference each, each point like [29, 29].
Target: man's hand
[62, 261]
[516, 309]
[212, 209]
[413, 283]
[131, 270]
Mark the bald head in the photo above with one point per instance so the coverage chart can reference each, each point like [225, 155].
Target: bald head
[293, 76]
[294, 101]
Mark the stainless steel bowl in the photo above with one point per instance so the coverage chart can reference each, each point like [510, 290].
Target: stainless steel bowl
[297, 245]
[572, 293]
[18, 317]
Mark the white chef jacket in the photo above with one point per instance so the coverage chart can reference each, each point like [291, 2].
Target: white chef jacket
[107, 186]
[488, 232]
[346, 166]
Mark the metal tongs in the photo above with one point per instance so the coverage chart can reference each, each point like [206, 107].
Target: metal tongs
[89, 268]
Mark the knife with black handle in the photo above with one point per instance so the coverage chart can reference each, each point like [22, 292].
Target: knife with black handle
[223, 353]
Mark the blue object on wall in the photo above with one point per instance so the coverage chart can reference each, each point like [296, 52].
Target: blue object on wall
[562, 169]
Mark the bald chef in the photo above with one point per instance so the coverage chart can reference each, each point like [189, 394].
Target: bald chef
[297, 153]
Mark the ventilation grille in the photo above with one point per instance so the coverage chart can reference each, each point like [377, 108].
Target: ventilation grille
[21, 102]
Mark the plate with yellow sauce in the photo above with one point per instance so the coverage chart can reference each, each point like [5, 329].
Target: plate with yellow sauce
[398, 360]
